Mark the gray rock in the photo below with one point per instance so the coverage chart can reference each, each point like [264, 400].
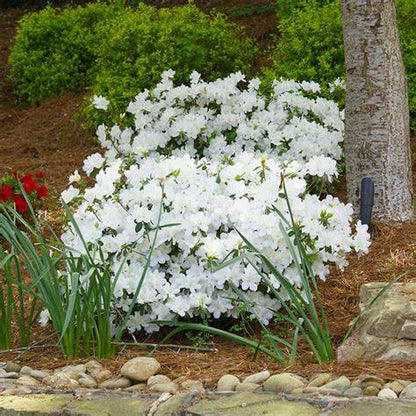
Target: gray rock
[320, 379]
[94, 368]
[73, 371]
[282, 383]
[353, 392]
[247, 386]
[25, 370]
[39, 375]
[396, 386]
[228, 382]
[9, 375]
[17, 390]
[12, 367]
[193, 385]
[136, 387]
[340, 383]
[386, 394]
[158, 379]
[103, 375]
[87, 381]
[257, 378]
[170, 387]
[115, 383]
[408, 330]
[28, 381]
[409, 392]
[140, 368]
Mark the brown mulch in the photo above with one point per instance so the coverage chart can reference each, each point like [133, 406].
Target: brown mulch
[47, 138]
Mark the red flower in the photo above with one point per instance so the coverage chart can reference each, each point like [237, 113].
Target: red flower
[41, 191]
[5, 193]
[21, 205]
[40, 175]
[28, 183]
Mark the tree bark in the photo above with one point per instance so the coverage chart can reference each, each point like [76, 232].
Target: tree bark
[377, 143]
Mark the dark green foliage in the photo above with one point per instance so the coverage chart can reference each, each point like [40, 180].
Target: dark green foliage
[116, 51]
[310, 43]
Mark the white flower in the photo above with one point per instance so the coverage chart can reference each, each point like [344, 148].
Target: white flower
[92, 162]
[75, 177]
[100, 102]
[69, 194]
[44, 317]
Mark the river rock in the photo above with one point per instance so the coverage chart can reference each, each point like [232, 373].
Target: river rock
[103, 375]
[12, 367]
[60, 381]
[93, 368]
[409, 392]
[28, 381]
[320, 379]
[247, 386]
[25, 370]
[115, 383]
[353, 392]
[370, 391]
[282, 383]
[87, 381]
[257, 378]
[39, 375]
[158, 379]
[9, 375]
[140, 368]
[395, 385]
[193, 385]
[228, 382]
[170, 387]
[386, 394]
[340, 383]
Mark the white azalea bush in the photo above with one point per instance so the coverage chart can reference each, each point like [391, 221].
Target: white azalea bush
[218, 152]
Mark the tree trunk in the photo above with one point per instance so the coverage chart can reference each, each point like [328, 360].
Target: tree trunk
[377, 143]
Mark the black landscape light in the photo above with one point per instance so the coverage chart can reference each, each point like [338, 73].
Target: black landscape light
[366, 200]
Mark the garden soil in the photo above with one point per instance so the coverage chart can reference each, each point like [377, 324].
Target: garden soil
[47, 138]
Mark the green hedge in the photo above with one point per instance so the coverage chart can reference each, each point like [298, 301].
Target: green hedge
[116, 51]
[310, 43]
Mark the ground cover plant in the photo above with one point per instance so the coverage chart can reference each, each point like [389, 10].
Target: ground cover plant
[115, 51]
[220, 150]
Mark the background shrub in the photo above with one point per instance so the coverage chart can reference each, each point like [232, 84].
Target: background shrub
[310, 43]
[117, 51]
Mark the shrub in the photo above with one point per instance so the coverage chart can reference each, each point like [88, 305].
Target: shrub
[116, 50]
[310, 43]
[235, 185]
[54, 50]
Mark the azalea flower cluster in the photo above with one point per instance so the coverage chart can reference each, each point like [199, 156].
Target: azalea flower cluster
[217, 152]
[11, 193]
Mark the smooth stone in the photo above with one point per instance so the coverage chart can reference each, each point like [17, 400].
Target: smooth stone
[73, 371]
[409, 392]
[16, 390]
[366, 378]
[257, 378]
[39, 375]
[115, 383]
[136, 387]
[371, 391]
[387, 394]
[396, 386]
[12, 367]
[227, 382]
[341, 383]
[94, 368]
[25, 370]
[103, 376]
[331, 392]
[170, 387]
[26, 380]
[299, 390]
[2, 372]
[372, 383]
[140, 368]
[87, 381]
[353, 392]
[193, 385]
[9, 375]
[247, 386]
[60, 381]
[158, 379]
[282, 383]
[320, 379]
